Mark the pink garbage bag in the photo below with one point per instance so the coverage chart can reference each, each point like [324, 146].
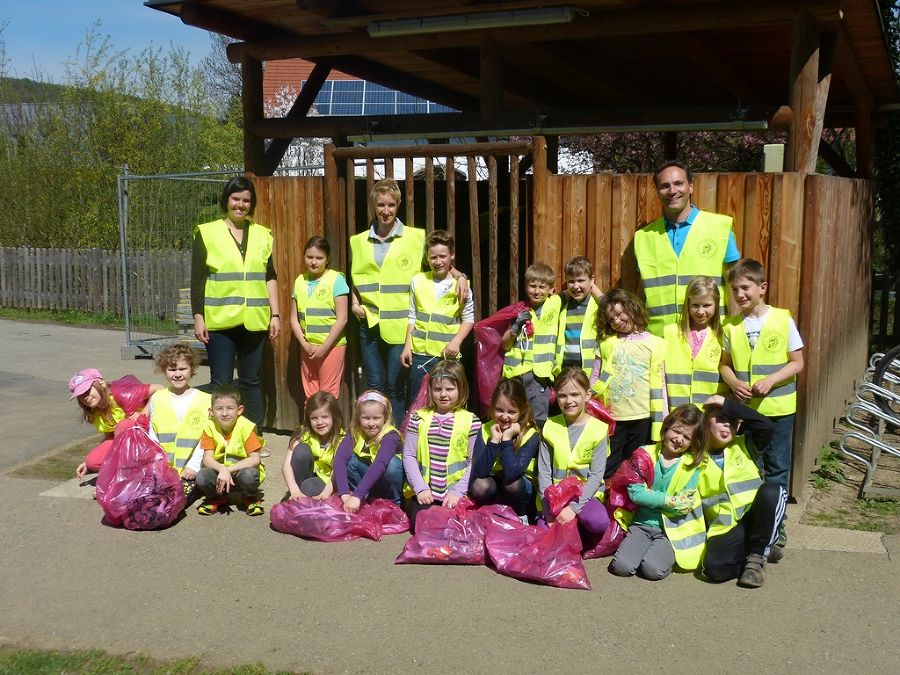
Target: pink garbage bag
[636, 469]
[392, 518]
[558, 495]
[136, 487]
[421, 400]
[488, 353]
[600, 546]
[130, 393]
[324, 520]
[454, 536]
[546, 556]
[595, 408]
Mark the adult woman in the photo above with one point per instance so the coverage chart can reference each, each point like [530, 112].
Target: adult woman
[234, 295]
[384, 259]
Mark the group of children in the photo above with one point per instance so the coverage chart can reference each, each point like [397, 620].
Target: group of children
[706, 505]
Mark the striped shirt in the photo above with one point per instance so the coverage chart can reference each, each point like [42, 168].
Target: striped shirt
[574, 321]
[438, 448]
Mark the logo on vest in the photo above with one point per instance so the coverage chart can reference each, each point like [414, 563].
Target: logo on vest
[459, 444]
[774, 342]
[714, 352]
[404, 261]
[549, 317]
[196, 420]
[707, 248]
[321, 293]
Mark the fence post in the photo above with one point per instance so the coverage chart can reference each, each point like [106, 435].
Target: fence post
[122, 189]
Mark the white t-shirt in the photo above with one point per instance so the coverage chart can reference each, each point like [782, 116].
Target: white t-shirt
[753, 325]
[181, 404]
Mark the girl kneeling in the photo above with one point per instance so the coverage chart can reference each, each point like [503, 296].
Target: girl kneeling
[668, 527]
[309, 461]
[575, 444]
[439, 442]
[367, 463]
[503, 466]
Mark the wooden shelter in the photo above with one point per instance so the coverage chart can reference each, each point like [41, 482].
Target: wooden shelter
[544, 68]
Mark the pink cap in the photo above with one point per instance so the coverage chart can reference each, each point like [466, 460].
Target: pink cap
[82, 380]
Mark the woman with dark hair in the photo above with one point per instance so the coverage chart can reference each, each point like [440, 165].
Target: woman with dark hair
[234, 295]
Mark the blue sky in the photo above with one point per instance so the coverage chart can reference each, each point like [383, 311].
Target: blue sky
[41, 35]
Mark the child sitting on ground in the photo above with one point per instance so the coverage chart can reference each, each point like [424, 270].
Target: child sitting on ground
[230, 456]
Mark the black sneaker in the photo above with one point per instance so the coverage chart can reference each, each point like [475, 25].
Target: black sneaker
[776, 553]
[754, 574]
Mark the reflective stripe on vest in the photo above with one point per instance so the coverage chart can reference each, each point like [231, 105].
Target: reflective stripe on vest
[657, 403]
[457, 453]
[691, 379]
[368, 451]
[536, 354]
[587, 337]
[384, 291]
[437, 319]
[179, 439]
[686, 533]
[665, 276]
[232, 451]
[323, 458]
[236, 292]
[769, 356]
[568, 461]
[529, 472]
[316, 312]
[726, 495]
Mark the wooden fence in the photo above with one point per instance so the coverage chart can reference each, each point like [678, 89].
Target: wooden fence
[90, 280]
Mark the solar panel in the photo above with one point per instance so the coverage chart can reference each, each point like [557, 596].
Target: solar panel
[359, 97]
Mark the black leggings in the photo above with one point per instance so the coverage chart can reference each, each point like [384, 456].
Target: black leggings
[491, 490]
[302, 467]
[755, 533]
[629, 436]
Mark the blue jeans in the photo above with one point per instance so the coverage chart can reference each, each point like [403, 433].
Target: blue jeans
[382, 368]
[248, 347]
[777, 457]
[389, 486]
[417, 374]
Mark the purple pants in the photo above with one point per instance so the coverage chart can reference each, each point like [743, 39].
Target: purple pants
[593, 517]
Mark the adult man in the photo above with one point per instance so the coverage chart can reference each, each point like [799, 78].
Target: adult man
[684, 243]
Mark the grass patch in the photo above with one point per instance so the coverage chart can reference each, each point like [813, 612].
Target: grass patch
[58, 465]
[97, 662]
[829, 469]
[67, 316]
[868, 515]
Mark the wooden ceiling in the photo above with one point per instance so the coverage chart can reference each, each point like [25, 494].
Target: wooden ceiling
[617, 59]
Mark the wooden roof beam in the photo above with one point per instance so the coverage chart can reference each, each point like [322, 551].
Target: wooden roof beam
[846, 64]
[226, 23]
[601, 24]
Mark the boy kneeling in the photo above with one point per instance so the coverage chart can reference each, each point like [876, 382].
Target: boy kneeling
[230, 456]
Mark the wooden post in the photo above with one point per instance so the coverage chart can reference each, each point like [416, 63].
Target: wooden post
[429, 194]
[491, 80]
[539, 194]
[475, 231]
[513, 228]
[332, 200]
[410, 192]
[553, 154]
[810, 78]
[252, 100]
[492, 233]
[450, 178]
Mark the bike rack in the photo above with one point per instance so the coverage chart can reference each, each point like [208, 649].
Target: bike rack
[874, 438]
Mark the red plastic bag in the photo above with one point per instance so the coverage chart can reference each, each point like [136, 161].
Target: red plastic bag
[136, 487]
[454, 536]
[392, 518]
[421, 400]
[600, 546]
[636, 469]
[547, 556]
[595, 408]
[559, 495]
[130, 393]
[488, 353]
[324, 520]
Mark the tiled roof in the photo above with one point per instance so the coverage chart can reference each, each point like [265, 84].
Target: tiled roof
[291, 72]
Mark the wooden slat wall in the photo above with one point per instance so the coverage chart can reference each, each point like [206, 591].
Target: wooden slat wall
[811, 232]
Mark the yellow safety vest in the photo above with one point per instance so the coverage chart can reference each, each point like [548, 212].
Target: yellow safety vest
[665, 276]
[232, 450]
[691, 379]
[657, 387]
[728, 494]
[316, 311]
[686, 533]
[117, 416]
[498, 464]
[569, 461]
[457, 455]
[179, 439]
[368, 451]
[769, 356]
[323, 458]
[587, 339]
[384, 291]
[236, 292]
[437, 320]
[537, 353]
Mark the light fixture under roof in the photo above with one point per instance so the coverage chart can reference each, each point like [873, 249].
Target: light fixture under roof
[514, 18]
